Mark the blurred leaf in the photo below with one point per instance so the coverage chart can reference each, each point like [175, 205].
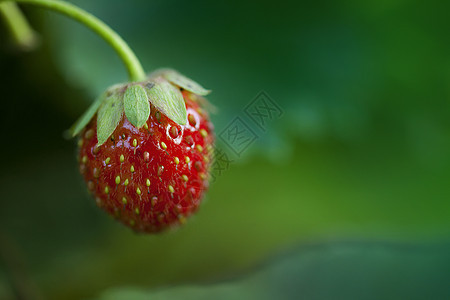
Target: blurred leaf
[334, 270]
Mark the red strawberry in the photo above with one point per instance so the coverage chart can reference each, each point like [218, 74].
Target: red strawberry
[153, 177]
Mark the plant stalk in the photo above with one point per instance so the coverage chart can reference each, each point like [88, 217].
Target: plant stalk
[22, 34]
[134, 67]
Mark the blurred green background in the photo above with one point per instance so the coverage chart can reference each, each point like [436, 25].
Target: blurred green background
[351, 183]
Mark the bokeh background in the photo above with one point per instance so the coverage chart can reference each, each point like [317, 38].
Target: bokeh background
[345, 195]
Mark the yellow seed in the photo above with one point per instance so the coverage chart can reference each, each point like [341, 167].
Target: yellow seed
[199, 148]
[80, 142]
[160, 170]
[181, 219]
[192, 120]
[89, 134]
[202, 176]
[206, 158]
[132, 168]
[134, 142]
[163, 145]
[185, 178]
[148, 182]
[107, 160]
[96, 149]
[122, 158]
[90, 185]
[126, 182]
[106, 190]
[138, 191]
[84, 159]
[117, 179]
[171, 189]
[146, 126]
[203, 132]
[124, 200]
[146, 156]
[177, 160]
[187, 159]
[136, 210]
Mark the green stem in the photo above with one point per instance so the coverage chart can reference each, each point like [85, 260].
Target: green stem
[134, 67]
[24, 37]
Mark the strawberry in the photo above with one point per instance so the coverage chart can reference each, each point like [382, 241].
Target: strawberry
[151, 171]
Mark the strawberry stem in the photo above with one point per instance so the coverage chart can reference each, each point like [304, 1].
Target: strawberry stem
[134, 67]
[22, 34]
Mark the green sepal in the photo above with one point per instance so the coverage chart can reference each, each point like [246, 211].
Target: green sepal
[108, 117]
[137, 107]
[183, 81]
[168, 99]
[87, 116]
[162, 89]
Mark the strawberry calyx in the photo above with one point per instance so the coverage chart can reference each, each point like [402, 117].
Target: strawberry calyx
[161, 89]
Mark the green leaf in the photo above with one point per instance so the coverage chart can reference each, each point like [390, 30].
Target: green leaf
[108, 117]
[184, 82]
[168, 99]
[333, 270]
[137, 107]
[87, 116]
